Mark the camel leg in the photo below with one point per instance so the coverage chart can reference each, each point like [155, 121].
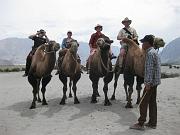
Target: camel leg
[45, 81]
[129, 103]
[107, 79]
[32, 80]
[64, 81]
[76, 101]
[70, 85]
[95, 81]
[126, 91]
[139, 81]
[38, 99]
[115, 84]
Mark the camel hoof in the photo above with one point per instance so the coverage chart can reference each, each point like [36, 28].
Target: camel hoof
[45, 103]
[128, 105]
[70, 96]
[113, 97]
[32, 107]
[62, 102]
[39, 100]
[93, 101]
[76, 101]
[107, 103]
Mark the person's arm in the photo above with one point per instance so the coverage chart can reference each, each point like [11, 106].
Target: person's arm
[32, 36]
[149, 70]
[91, 41]
[63, 45]
[135, 35]
[47, 39]
[120, 35]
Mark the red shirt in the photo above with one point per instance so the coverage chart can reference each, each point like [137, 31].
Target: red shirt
[94, 38]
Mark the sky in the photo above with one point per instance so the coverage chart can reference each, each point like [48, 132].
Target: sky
[21, 18]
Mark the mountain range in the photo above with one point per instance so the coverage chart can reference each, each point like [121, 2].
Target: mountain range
[13, 51]
[171, 53]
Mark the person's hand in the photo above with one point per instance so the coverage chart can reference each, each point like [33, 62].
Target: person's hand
[147, 87]
[122, 52]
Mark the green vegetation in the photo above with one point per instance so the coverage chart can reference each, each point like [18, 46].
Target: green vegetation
[12, 68]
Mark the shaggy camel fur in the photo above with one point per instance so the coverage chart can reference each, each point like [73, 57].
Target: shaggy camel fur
[134, 65]
[70, 67]
[100, 66]
[43, 62]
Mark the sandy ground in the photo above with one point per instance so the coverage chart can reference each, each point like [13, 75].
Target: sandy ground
[83, 119]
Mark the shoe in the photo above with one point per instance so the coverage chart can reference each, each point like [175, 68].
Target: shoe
[150, 125]
[24, 75]
[137, 126]
[113, 56]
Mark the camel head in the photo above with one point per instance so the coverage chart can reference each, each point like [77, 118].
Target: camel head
[102, 44]
[158, 42]
[52, 46]
[74, 46]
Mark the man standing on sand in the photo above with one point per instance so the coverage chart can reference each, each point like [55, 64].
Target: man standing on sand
[152, 78]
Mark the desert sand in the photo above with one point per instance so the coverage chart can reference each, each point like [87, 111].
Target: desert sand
[85, 118]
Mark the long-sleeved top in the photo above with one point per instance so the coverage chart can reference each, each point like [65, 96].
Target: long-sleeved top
[65, 42]
[152, 75]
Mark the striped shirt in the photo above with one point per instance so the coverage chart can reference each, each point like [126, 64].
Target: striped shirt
[152, 75]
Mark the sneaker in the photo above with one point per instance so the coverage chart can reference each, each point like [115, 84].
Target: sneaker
[137, 126]
[150, 125]
[24, 75]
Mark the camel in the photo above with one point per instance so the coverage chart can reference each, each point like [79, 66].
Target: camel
[134, 65]
[43, 62]
[70, 67]
[101, 66]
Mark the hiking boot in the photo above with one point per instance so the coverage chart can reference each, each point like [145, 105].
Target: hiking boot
[24, 75]
[150, 125]
[113, 56]
[137, 126]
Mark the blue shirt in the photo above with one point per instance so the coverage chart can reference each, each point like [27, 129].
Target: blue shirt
[65, 42]
[152, 74]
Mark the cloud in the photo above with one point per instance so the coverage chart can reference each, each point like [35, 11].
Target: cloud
[24, 17]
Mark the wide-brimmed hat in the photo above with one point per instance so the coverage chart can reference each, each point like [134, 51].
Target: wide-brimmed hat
[98, 26]
[126, 20]
[41, 31]
[149, 39]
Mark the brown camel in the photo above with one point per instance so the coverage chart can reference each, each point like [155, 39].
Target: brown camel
[70, 67]
[101, 66]
[43, 62]
[133, 66]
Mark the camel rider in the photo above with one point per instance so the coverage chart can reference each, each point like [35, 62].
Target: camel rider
[93, 40]
[130, 33]
[66, 44]
[39, 38]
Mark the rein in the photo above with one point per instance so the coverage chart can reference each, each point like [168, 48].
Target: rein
[106, 67]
